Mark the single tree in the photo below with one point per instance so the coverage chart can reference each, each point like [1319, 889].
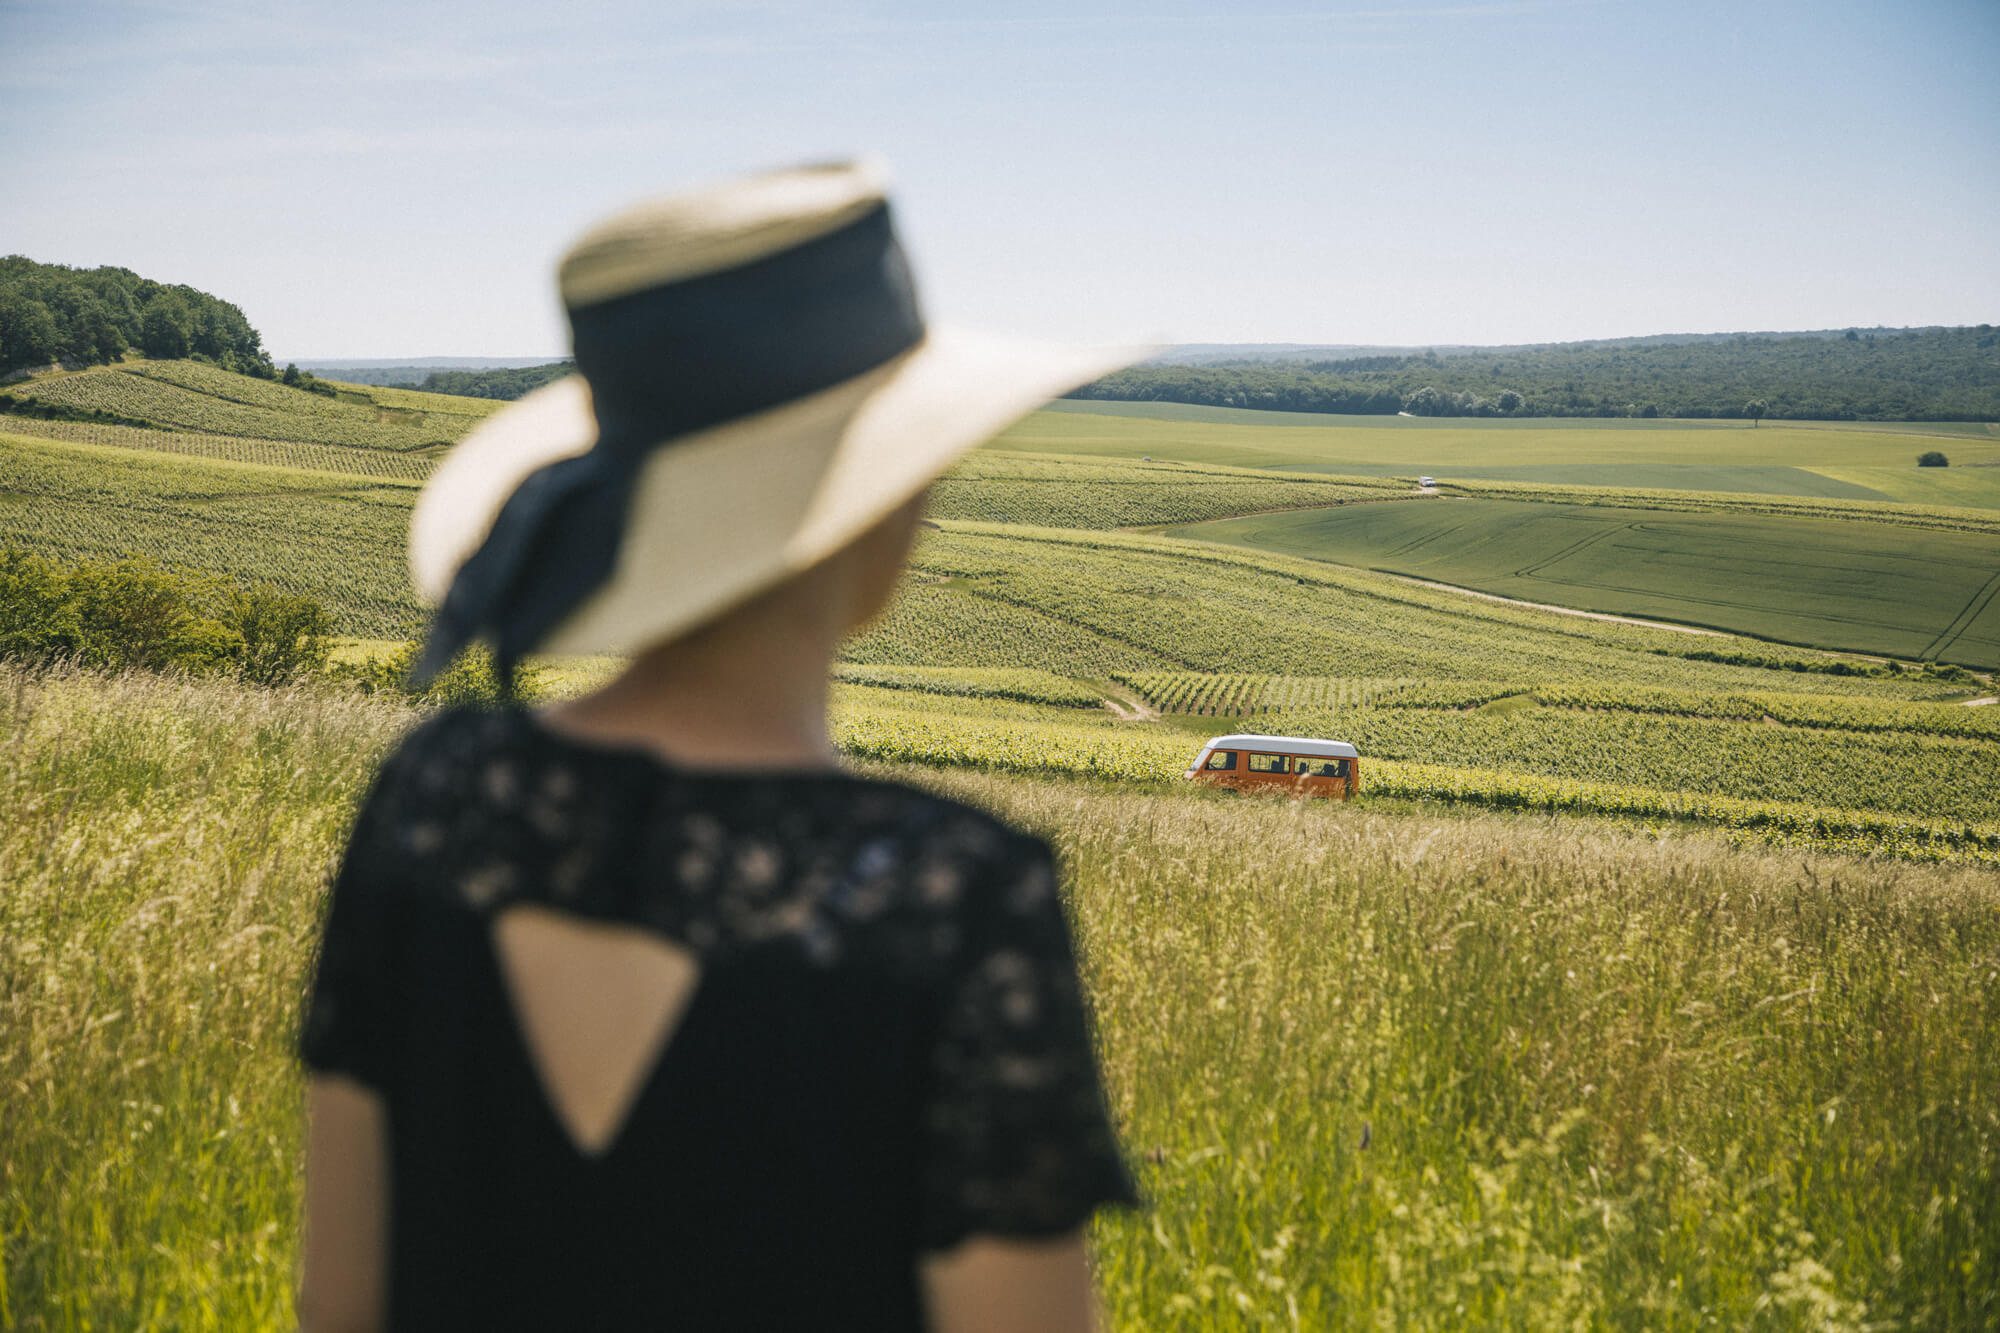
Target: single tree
[1932, 458]
[1508, 401]
[291, 375]
[1755, 410]
[1425, 402]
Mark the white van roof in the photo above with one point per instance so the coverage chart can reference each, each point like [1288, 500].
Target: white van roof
[1285, 745]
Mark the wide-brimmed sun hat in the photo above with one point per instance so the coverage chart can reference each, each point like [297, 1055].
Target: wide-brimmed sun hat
[756, 389]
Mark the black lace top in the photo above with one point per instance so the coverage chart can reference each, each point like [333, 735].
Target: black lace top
[886, 1051]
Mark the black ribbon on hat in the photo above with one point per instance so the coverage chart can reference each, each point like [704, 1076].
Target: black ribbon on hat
[662, 364]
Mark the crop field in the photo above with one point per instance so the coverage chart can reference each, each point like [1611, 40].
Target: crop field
[1823, 788]
[1195, 694]
[186, 395]
[1140, 602]
[412, 400]
[1863, 587]
[1944, 518]
[289, 454]
[1018, 683]
[335, 536]
[1070, 493]
[1407, 446]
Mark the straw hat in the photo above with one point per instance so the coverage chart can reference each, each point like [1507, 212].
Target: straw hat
[757, 389]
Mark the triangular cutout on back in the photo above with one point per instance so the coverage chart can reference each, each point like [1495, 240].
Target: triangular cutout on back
[596, 1005]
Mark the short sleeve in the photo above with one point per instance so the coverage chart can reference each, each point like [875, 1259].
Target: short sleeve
[1019, 1142]
[345, 1027]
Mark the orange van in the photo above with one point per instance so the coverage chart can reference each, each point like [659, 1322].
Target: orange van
[1299, 764]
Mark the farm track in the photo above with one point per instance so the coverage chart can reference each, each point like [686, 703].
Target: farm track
[1974, 608]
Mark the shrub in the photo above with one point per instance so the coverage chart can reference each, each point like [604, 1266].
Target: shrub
[134, 613]
[1933, 458]
[285, 635]
[37, 618]
[470, 679]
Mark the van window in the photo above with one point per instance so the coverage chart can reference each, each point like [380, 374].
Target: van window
[1267, 763]
[1221, 761]
[1324, 768]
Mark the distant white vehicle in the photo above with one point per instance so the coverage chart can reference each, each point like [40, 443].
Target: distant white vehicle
[1427, 482]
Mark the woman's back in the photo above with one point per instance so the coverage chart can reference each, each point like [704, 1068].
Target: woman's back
[847, 1032]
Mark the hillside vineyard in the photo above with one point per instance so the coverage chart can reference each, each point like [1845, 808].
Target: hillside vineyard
[1073, 608]
[1647, 982]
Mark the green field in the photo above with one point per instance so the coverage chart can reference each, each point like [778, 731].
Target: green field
[337, 536]
[1703, 455]
[1859, 586]
[1648, 983]
[1376, 1066]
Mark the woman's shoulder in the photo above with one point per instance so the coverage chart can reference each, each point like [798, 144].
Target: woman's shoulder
[485, 784]
[469, 754]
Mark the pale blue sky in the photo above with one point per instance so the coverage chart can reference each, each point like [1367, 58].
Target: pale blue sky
[372, 179]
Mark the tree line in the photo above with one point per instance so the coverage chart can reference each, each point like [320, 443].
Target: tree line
[52, 313]
[508, 383]
[1920, 375]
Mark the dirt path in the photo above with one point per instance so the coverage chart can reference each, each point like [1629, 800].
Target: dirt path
[1977, 703]
[1129, 707]
[1560, 610]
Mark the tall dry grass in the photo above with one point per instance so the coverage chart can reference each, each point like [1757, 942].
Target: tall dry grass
[162, 867]
[1375, 1070]
[1458, 1071]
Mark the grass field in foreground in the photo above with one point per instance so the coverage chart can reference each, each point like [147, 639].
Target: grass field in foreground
[1374, 1068]
[1862, 587]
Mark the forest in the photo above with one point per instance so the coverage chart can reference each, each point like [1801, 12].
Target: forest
[1914, 375]
[52, 313]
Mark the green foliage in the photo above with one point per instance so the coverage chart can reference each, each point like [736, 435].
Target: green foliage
[134, 613]
[1912, 375]
[1933, 458]
[295, 378]
[470, 680]
[51, 313]
[509, 383]
[284, 635]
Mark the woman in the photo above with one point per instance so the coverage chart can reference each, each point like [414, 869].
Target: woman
[638, 1011]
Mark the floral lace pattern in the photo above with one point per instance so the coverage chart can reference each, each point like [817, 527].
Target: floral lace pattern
[490, 810]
